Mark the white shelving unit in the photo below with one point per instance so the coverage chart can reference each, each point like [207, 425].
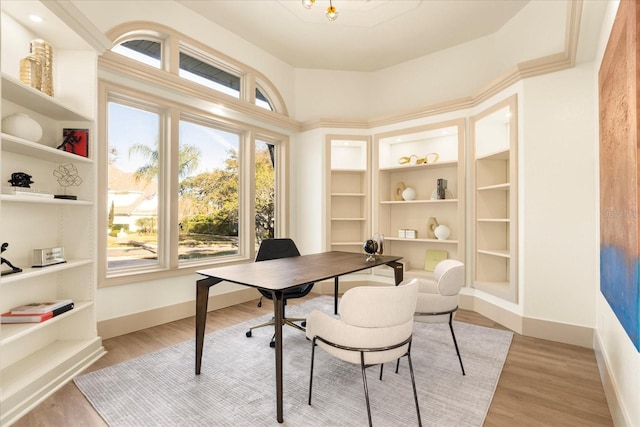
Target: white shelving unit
[494, 237]
[393, 171]
[348, 200]
[36, 359]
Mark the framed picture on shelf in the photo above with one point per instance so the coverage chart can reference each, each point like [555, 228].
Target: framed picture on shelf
[75, 141]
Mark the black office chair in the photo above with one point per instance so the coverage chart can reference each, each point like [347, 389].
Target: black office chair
[274, 249]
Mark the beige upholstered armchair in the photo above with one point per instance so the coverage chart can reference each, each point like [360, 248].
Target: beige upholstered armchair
[375, 326]
[438, 298]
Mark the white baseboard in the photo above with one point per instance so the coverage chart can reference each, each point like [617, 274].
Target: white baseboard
[146, 319]
[554, 331]
[618, 413]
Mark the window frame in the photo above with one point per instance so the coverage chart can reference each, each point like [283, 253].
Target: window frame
[242, 189]
[171, 97]
[162, 112]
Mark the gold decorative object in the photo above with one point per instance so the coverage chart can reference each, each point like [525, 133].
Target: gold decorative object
[431, 158]
[412, 159]
[432, 224]
[31, 71]
[397, 193]
[43, 53]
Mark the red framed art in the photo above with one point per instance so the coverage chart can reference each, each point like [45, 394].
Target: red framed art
[75, 141]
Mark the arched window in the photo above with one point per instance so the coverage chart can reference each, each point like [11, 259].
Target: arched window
[164, 49]
[179, 174]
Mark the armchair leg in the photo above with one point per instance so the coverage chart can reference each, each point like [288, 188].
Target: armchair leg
[455, 342]
[415, 392]
[313, 351]
[366, 389]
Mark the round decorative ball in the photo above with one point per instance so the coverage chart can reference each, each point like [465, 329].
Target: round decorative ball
[408, 194]
[22, 126]
[370, 246]
[442, 232]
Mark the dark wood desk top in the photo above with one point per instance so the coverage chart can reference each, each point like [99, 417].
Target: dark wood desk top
[285, 273]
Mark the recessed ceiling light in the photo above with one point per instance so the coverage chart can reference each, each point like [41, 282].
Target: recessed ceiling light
[35, 18]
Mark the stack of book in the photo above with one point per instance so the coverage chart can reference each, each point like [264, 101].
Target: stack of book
[37, 312]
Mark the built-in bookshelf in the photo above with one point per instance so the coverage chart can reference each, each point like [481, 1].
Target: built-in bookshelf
[38, 358]
[348, 197]
[416, 159]
[495, 196]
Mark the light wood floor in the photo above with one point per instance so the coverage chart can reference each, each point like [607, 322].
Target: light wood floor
[542, 384]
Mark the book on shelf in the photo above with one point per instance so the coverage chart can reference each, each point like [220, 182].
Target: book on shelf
[9, 317]
[26, 191]
[432, 258]
[56, 306]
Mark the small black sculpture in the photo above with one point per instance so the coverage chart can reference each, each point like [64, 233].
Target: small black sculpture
[20, 179]
[14, 269]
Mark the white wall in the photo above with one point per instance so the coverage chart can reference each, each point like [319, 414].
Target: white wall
[557, 169]
[118, 301]
[307, 178]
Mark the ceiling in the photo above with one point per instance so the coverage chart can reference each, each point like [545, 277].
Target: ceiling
[368, 35]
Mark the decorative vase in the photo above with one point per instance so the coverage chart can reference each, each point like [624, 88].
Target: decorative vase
[22, 126]
[43, 53]
[408, 194]
[31, 72]
[442, 232]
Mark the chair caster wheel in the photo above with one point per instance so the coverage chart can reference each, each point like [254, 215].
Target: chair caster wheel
[272, 344]
[248, 334]
[304, 324]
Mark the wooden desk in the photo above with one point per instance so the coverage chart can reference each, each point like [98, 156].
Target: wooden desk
[277, 276]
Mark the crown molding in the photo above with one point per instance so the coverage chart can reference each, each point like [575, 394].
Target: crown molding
[336, 123]
[523, 70]
[75, 19]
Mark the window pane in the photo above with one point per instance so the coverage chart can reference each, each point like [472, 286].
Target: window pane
[265, 191]
[133, 187]
[146, 51]
[262, 101]
[207, 75]
[208, 207]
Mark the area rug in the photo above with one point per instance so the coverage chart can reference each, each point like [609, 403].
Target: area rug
[237, 385]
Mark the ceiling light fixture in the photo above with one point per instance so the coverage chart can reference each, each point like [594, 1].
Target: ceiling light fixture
[331, 12]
